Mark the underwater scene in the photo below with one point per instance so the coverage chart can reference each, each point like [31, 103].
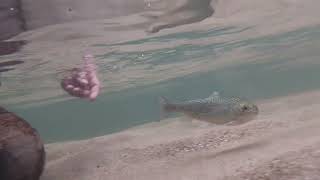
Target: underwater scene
[160, 89]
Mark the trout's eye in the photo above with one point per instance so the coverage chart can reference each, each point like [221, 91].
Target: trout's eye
[245, 108]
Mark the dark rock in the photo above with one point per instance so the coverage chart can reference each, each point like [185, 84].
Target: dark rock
[9, 47]
[22, 154]
[11, 19]
[39, 13]
[10, 63]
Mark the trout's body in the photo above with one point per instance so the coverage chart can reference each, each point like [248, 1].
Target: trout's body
[215, 109]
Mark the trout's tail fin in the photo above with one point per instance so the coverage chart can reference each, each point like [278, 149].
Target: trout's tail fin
[166, 107]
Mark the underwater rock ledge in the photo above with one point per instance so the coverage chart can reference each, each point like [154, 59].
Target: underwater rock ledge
[22, 154]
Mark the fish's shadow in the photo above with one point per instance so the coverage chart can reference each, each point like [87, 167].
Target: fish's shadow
[227, 151]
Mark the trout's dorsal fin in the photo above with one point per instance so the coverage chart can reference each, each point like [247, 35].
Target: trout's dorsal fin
[214, 94]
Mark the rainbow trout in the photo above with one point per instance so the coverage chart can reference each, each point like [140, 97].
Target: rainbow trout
[214, 109]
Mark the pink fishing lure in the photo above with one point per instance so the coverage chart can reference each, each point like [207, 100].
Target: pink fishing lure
[83, 82]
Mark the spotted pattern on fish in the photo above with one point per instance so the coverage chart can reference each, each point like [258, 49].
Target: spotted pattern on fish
[213, 108]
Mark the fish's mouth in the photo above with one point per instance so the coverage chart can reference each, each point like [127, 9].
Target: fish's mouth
[255, 109]
[243, 119]
[249, 116]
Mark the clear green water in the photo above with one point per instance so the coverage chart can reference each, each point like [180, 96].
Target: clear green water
[281, 64]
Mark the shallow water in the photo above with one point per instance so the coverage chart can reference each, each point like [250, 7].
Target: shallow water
[218, 54]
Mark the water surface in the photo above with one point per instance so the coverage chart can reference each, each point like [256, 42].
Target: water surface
[187, 62]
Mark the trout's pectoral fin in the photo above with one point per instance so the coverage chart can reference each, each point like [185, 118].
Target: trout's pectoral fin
[232, 123]
[152, 16]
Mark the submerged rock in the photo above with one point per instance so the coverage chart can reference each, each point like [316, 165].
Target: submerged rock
[181, 12]
[12, 21]
[10, 47]
[22, 154]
